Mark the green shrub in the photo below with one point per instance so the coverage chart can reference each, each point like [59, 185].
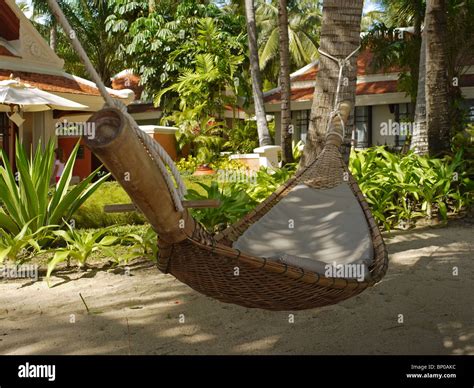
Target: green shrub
[80, 245]
[266, 182]
[243, 137]
[20, 248]
[235, 203]
[401, 188]
[187, 166]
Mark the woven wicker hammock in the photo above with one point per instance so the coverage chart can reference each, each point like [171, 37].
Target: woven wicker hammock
[205, 262]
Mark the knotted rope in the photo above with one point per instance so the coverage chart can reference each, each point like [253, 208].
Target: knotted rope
[336, 111]
[156, 151]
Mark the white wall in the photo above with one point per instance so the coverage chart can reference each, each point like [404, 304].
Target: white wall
[381, 114]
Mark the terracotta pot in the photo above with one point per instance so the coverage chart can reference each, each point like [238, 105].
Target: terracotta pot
[204, 170]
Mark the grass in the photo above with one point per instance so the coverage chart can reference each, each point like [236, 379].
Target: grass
[91, 214]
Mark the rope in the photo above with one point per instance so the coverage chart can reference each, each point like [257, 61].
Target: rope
[335, 111]
[156, 151]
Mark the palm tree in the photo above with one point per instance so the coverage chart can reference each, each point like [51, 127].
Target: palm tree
[41, 10]
[419, 140]
[285, 83]
[437, 96]
[340, 35]
[304, 19]
[262, 125]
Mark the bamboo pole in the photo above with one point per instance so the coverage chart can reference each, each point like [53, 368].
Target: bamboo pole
[121, 151]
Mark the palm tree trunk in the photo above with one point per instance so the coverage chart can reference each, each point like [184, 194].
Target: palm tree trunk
[53, 36]
[419, 141]
[285, 84]
[151, 6]
[262, 125]
[437, 96]
[340, 35]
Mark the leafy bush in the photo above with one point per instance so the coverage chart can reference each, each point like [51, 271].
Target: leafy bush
[21, 247]
[243, 137]
[402, 188]
[188, 165]
[80, 244]
[235, 203]
[266, 182]
[143, 242]
[26, 197]
[224, 163]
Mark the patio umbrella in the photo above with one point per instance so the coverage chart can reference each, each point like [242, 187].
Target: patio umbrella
[17, 96]
[30, 99]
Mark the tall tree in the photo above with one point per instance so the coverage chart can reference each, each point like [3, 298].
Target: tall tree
[340, 36]
[419, 140]
[41, 10]
[285, 83]
[262, 125]
[436, 88]
[304, 21]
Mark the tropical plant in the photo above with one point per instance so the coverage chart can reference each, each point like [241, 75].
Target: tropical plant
[88, 20]
[203, 137]
[143, 245]
[243, 137]
[26, 197]
[20, 247]
[297, 150]
[304, 21]
[266, 182]
[162, 45]
[234, 204]
[80, 244]
[402, 188]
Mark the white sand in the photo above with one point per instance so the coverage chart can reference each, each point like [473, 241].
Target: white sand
[140, 314]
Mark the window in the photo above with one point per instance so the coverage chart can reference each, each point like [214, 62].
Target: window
[404, 116]
[470, 110]
[301, 123]
[80, 152]
[362, 125]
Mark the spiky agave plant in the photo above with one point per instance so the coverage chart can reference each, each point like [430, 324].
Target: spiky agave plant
[26, 196]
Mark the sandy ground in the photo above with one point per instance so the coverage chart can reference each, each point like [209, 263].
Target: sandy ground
[151, 313]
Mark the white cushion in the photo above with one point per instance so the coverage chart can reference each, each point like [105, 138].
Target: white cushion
[317, 230]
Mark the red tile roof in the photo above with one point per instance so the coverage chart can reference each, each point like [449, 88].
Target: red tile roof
[364, 67]
[9, 23]
[309, 75]
[303, 94]
[306, 94]
[128, 81]
[380, 87]
[51, 83]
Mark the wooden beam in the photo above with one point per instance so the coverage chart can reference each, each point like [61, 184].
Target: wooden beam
[120, 208]
[201, 204]
[9, 23]
[122, 153]
[130, 207]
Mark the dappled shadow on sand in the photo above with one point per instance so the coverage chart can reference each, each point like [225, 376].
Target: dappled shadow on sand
[152, 313]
